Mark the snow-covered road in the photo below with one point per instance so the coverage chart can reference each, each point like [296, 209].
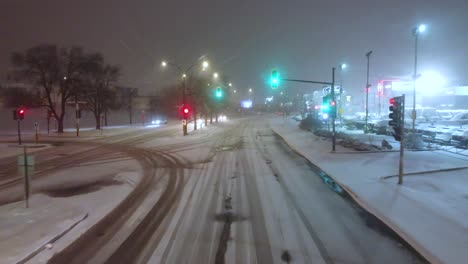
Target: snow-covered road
[232, 193]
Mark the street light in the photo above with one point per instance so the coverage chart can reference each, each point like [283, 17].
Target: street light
[235, 91]
[250, 90]
[164, 63]
[368, 85]
[184, 76]
[416, 31]
[230, 84]
[215, 75]
[205, 65]
[343, 66]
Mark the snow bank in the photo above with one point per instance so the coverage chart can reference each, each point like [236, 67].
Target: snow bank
[429, 210]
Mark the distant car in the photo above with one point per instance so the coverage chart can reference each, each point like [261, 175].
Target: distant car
[379, 125]
[460, 138]
[458, 119]
[429, 133]
[159, 122]
[444, 135]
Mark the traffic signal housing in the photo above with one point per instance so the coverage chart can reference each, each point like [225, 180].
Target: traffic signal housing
[274, 80]
[219, 93]
[20, 113]
[397, 111]
[185, 111]
[326, 103]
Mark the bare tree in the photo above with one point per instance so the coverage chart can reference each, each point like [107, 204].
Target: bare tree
[98, 86]
[54, 71]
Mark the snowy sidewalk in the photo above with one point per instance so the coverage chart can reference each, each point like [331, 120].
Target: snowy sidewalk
[429, 210]
[24, 232]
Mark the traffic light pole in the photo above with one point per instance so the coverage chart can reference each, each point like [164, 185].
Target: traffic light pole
[184, 102]
[402, 127]
[19, 131]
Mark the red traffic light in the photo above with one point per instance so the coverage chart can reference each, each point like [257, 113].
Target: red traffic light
[333, 103]
[186, 110]
[392, 101]
[21, 111]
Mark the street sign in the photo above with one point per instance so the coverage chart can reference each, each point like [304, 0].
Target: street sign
[30, 164]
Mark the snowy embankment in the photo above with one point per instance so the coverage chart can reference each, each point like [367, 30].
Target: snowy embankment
[429, 210]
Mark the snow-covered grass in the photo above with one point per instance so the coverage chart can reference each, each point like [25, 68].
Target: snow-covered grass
[9, 149]
[58, 202]
[429, 210]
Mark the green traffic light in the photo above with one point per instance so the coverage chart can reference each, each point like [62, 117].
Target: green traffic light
[325, 108]
[219, 93]
[274, 80]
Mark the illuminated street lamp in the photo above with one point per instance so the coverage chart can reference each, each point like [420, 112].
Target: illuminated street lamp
[230, 84]
[184, 76]
[215, 75]
[235, 91]
[343, 67]
[164, 63]
[205, 65]
[416, 31]
[250, 90]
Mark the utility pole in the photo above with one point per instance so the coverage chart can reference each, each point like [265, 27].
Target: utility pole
[77, 115]
[368, 54]
[415, 76]
[333, 110]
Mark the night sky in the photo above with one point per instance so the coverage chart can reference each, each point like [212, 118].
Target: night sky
[245, 39]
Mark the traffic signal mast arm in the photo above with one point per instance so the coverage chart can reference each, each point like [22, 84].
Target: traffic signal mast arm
[306, 81]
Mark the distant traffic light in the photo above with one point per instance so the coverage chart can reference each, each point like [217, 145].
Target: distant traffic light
[185, 111]
[274, 80]
[20, 113]
[219, 93]
[333, 108]
[397, 111]
[326, 103]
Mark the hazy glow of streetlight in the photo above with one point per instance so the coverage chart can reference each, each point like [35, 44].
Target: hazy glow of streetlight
[281, 93]
[215, 75]
[422, 28]
[230, 84]
[250, 90]
[65, 77]
[205, 65]
[235, 91]
[184, 76]
[344, 66]
[164, 63]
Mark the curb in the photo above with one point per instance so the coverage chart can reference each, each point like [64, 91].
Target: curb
[52, 240]
[416, 246]
[424, 172]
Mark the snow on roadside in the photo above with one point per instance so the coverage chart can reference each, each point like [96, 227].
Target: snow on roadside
[429, 210]
[58, 202]
[9, 149]
[25, 231]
